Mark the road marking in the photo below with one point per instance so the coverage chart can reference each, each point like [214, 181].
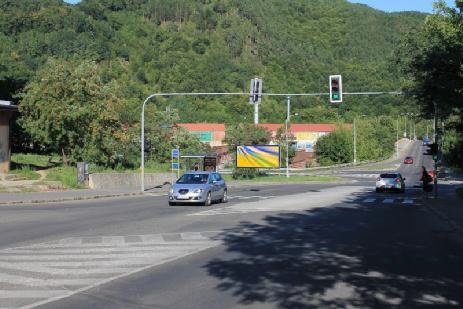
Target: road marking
[388, 201]
[408, 201]
[241, 197]
[369, 200]
[37, 274]
[284, 203]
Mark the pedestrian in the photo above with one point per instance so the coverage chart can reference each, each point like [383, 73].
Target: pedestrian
[425, 178]
[196, 167]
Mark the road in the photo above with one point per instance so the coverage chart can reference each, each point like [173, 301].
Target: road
[281, 246]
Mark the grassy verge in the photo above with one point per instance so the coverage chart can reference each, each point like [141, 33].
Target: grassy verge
[460, 193]
[284, 179]
[66, 175]
[26, 172]
[34, 160]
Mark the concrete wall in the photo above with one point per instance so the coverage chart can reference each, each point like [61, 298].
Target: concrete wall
[128, 180]
[4, 141]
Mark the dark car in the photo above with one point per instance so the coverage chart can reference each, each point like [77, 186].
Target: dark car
[408, 160]
[390, 182]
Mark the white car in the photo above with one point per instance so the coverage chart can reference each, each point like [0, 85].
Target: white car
[390, 182]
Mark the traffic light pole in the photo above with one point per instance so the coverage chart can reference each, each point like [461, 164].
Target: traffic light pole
[435, 142]
[191, 94]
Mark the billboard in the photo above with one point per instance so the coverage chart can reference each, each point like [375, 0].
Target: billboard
[258, 156]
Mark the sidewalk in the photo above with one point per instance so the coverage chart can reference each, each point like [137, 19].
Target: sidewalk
[448, 206]
[71, 195]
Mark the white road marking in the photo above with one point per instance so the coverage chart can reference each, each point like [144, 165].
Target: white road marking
[37, 274]
[407, 201]
[369, 200]
[388, 201]
[295, 202]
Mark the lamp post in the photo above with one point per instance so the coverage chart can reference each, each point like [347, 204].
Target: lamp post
[397, 139]
[288, 115]
[355, 138]
[355, 142]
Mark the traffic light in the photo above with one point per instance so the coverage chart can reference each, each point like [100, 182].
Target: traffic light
[147, 145]
[432, 150]
[335, 88]
[255, 92]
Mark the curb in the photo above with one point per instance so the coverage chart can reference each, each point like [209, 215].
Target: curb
[79, 198]
[94, 197]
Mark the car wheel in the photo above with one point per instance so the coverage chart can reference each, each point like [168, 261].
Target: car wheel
[378, 190]
[224, 197]
[172, 204]
[208, 201]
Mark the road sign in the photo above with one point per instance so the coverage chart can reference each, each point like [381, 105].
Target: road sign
[175, 153]
[175, 165]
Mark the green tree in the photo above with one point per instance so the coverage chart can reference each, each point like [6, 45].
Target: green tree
[68, 109]
[431, 59]
[335, 148]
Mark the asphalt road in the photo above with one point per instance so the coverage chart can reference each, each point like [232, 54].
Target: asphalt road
[280, 246]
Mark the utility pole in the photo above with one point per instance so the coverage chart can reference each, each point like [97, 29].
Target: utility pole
[397, 140]
[437, 143]
[355, 142]
[288, 115]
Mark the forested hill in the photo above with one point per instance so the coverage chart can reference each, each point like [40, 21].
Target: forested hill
[213, 45]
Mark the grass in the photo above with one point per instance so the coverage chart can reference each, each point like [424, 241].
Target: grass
[459, 192]
[26, 172]
[284, 179]
[34, 159]
[66, 175]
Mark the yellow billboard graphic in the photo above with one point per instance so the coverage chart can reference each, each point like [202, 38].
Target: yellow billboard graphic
[306, 136]
[258, 156]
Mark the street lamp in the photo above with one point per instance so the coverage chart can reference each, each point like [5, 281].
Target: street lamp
[288, 115]
[355, 138]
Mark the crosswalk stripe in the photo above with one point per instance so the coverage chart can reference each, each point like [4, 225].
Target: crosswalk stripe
[36, 274]
[369, 200]
[34, 282]
[388, 201]
[408, 201]
[31, 293]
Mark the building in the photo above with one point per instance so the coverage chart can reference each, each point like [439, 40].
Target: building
[303, 137]
[6, 112]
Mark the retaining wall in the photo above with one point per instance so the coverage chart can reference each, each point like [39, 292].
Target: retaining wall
[128, 180]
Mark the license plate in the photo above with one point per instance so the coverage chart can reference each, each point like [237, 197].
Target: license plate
[180, 197]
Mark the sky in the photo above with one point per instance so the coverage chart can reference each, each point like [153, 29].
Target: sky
[401, 5]
[388, 6]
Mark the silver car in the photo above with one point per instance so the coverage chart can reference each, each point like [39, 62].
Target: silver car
[198, 187]
[390, 182]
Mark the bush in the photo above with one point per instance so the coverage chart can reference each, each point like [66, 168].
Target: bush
[245, 173]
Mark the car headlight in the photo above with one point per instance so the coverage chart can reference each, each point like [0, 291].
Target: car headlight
[198, 191]
[171, 191]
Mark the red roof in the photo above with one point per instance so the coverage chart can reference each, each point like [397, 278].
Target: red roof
[295, 127]
[203, 126]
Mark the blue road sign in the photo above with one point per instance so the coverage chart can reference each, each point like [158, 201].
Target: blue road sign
[175, 153]
[175, 165]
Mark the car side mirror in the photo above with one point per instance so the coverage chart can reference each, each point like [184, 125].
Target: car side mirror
[405, 179]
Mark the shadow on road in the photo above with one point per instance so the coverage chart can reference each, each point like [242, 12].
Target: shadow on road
[347, 255]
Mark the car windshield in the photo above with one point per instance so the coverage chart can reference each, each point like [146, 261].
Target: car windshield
[193, 179]
[389, 176]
